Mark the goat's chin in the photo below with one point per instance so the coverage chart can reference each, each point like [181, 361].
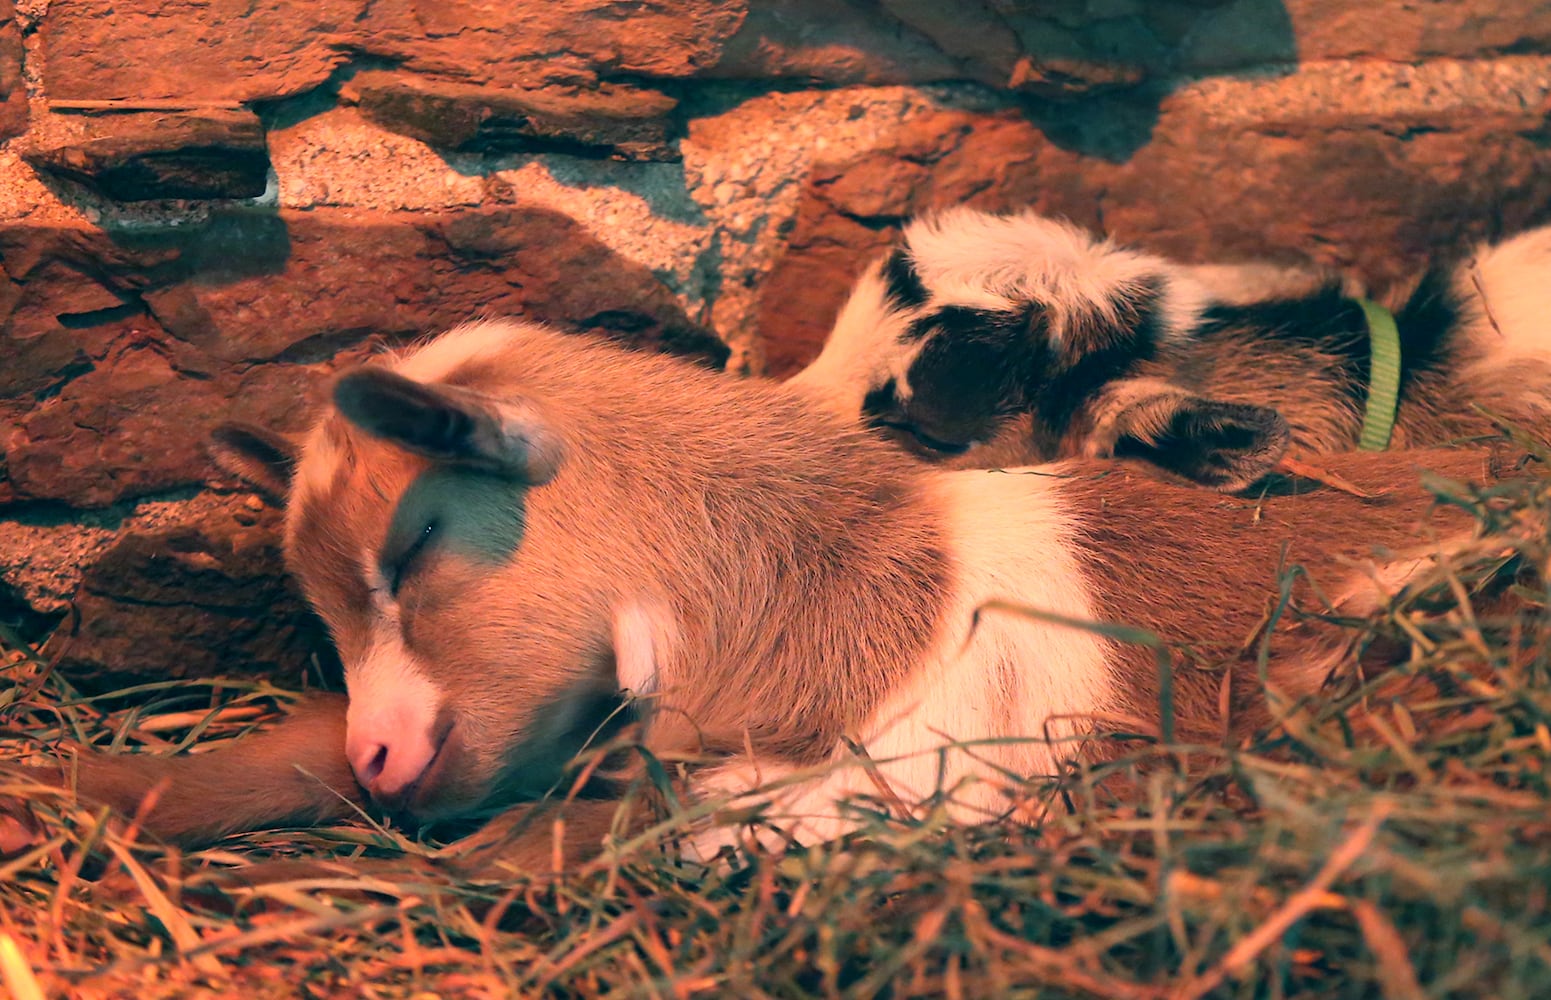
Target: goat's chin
[465, 781]
[463, 786]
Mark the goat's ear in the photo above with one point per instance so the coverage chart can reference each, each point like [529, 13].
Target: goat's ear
[1226, 446]
[264, 459]
[451, 424]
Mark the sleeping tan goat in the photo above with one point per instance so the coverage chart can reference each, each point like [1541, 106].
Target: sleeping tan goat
[507, 527]
[985, 340]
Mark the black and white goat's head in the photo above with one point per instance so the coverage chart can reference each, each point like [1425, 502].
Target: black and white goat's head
[1025, 339]
[986, 340]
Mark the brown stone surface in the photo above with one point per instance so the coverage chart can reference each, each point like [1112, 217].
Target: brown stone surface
[178, 49]
[48, 329]
[607, 119]
[834, 41]
[1065, 49]
[128, 427]
[151, 155]
[1083, 46]
[196, 590]
[13, 89]
[977, 36]
[1244, 33]
[239, 316]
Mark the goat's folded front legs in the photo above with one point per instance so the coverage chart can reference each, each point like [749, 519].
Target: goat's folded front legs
[294, 771]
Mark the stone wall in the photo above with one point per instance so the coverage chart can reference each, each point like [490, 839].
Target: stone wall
[207, 207]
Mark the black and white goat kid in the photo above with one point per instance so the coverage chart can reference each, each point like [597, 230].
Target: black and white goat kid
[986, 340]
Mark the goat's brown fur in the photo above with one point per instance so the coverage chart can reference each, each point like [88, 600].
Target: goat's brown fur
[1153, 572]
[287, 773]
[791, 548]
[813, 580]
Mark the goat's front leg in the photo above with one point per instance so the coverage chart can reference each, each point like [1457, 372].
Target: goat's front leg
[534, 840]
[293, 772]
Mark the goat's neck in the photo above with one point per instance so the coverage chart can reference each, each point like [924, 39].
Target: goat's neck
[799, 625]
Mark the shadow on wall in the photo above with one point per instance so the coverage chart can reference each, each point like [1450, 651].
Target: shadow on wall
[1171, 41]
[158, 333]
[1053, 57]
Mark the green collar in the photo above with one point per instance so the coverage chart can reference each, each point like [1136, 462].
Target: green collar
[1383, 377]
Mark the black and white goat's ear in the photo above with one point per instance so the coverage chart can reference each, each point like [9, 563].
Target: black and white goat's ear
[262, 458]
[451, 424]
[1226, 446]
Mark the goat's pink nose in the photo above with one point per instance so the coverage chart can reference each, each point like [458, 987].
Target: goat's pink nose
[389, 754]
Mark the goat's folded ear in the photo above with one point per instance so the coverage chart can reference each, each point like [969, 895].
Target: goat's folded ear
[451, 424]
[263, 459]
[1227, 446]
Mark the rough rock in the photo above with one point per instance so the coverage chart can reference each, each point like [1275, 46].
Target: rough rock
[228, 54]
[219, 54]
[918, 41]
[1244, 33]
[193, 589]
[834, 41]
[44, 551]
[304, 283]
[1066, 49]
[1079, 47]
[57, 318]
[240, 315]
[136, 425]
[13, 89]
[338, 158]
[152, 155]
[609, 119]
[191, 586]
[128, 427]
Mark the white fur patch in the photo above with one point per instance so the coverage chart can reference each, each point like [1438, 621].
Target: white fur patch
[644, 635]
[1256, 281]
[315, 470]
[1371, 587]
[1509, 288]
[864, 350]
[394, 704]
[387, 675]
[1008, 675]
[971, 258]
[1368, 590]
[434, 360]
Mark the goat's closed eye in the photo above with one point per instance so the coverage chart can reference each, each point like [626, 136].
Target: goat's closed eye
[936, 444]
[921, 439]
[405, 562]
